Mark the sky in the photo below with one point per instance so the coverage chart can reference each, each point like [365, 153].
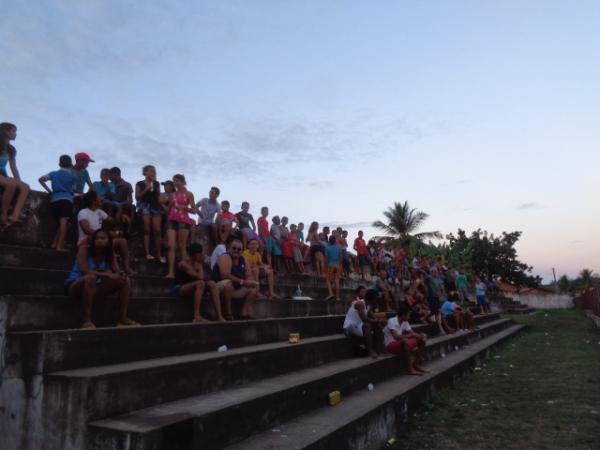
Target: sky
[482, 114]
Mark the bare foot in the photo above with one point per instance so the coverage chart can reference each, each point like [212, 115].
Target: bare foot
[88, 325]
[170, 276]
[414, 372]
[221, 319]
[200, 319]
[62, 249]
[421, 369]
[274, 297]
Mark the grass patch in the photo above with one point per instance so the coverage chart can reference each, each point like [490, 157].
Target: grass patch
[540, 391]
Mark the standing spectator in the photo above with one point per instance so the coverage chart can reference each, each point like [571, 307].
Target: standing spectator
[123, 197]
[92, 218]
[264, 233]
[481, 297]
[234, 278]
[363, 255]
[433, 298]
[181, 204]
[297, 249]
[61, 199]
[190, 282]
[275, 242]
[317, 249]
[96, 274]
[225, 222]
[246, 224]
[254, 259]
[82, 161]
[147, 195]
[462, 285]
[208, 208]
[334, 268]
[13, 187]
[400, 339]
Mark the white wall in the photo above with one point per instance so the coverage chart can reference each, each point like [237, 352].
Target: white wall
[552, 301]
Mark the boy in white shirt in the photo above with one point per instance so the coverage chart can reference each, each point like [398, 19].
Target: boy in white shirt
[400, 339]
[361, 322]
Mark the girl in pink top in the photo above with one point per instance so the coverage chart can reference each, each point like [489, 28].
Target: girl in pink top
[181, 204]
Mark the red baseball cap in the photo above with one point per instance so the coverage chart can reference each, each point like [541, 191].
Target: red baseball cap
[83, 156]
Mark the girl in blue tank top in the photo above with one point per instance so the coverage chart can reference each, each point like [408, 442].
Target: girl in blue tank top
[11, 188]
[96, 274]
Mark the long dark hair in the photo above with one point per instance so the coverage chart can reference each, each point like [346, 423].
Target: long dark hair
[108, 253]
[313, 227]
[5, 127]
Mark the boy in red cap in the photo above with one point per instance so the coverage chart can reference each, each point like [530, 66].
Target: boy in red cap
[82, 160]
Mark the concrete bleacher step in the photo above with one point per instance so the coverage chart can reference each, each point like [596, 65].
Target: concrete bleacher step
[56, 350]
[41, 312]
[521, 310]
[367, 419]
[51, 282]
[46, 258]
[261, 404]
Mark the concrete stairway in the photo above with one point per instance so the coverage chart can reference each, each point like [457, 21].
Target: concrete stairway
[510, 306]
[165, 386]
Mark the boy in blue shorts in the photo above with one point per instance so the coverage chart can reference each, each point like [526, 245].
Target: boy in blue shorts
[61, 199]
[481, 298]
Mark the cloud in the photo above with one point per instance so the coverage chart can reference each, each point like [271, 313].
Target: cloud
[530, 205]
[349, 225]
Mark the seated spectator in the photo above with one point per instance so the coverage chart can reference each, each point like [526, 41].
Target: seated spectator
[361, 322]
[234, 279]
[122, 203]
[382, 286]
[317, 249]
[91, 218]
[246, 223]
[82, 161]
[61, 199]
[147, 194]
[226, 222]
[181, 204]
[333, 252]
[96, 274]
[13, 188]
[208, 208]
[105, 188]
[190, 282]
[400, 339]
[451, 317]
[254, 260]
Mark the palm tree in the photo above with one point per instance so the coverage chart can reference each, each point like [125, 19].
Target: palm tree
[586, 277]
[402, 224]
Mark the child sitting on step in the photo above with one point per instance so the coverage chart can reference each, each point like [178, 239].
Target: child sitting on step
[96, 274]
[61, 199]
[400, 339]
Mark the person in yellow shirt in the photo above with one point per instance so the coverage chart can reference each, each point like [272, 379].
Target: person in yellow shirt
[254, 259]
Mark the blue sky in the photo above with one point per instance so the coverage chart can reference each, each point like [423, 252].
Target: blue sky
[484, 115]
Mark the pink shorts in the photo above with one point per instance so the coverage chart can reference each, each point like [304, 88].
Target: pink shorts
[396, 347]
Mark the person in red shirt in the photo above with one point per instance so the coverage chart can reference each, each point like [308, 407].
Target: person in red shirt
[263, 231]
[360, 246]
[225, 222]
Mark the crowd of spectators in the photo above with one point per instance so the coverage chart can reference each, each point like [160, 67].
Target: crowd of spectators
[172, 222]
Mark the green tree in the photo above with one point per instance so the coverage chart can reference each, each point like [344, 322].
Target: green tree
[491, 256]
[586, 277]
[402, 223]
[564, 285]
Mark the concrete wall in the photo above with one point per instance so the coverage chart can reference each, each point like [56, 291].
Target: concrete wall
[552, 301]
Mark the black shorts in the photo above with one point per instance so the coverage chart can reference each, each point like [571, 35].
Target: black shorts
[62, 209]
[451, 320]
[363, 260]
[434, 305]
[316, 248]
[174, 225]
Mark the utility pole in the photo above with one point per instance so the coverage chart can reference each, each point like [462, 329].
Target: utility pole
[555, 283]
